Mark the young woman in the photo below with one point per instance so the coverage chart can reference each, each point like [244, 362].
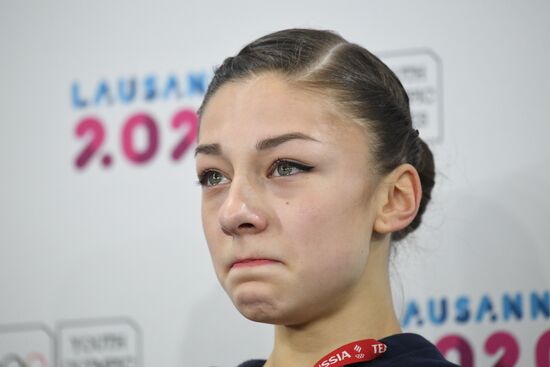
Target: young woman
[311, 169]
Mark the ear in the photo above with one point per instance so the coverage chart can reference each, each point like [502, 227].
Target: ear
[399, 198]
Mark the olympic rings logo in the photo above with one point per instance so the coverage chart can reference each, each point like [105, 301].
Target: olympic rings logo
[34, 359]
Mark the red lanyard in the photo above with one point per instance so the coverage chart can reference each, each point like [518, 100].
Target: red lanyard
[359, 351]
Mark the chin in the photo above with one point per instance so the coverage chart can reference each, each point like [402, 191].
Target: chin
[258, 310]
[259, 313]
[257, 306]
[268, 311]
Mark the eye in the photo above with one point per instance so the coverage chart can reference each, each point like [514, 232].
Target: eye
[211, 178]
[283, 167]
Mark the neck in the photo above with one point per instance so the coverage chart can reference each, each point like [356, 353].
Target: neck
[368, 313]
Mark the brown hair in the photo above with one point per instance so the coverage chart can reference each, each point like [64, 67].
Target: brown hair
[361, 85]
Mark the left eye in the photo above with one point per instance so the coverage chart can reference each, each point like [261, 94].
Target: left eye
[288, 168]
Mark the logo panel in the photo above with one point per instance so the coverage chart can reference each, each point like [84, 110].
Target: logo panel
[420, 72]
[110, 342]
[26, 345]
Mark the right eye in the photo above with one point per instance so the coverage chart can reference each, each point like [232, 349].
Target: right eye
[211, 178]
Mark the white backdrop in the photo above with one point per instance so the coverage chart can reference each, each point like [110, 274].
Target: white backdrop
[107, 262]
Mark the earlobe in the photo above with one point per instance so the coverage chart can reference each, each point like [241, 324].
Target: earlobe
[400, 197]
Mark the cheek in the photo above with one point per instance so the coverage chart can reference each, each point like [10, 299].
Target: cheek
[327, 255]
[329, 233]
[212, 234]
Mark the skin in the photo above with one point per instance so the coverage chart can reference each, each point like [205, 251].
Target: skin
[325, 231]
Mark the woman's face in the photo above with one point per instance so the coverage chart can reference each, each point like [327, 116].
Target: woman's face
[287, 205]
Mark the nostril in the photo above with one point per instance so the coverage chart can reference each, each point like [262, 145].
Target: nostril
[246, 225]
[226, 231]
[241, 228]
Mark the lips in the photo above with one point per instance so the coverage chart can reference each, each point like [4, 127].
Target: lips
[252, 262]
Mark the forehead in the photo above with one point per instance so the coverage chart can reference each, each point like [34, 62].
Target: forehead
[268, 105]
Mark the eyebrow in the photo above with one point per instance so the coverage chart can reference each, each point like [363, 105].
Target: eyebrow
[268, 143]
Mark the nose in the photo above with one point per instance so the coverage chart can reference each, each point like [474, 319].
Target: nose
[241, 212]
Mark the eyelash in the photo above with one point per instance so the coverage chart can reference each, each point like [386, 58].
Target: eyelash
[301, 166]
[203, 176]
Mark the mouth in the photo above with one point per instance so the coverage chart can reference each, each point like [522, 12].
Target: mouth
[249, 263]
